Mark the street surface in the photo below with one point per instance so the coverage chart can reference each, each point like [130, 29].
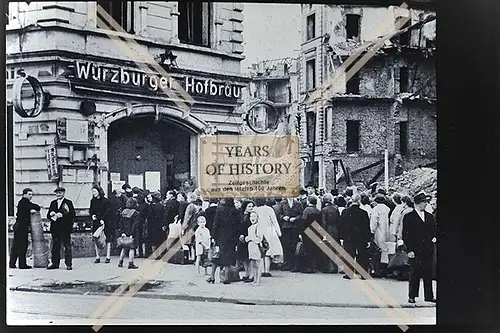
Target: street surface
[33, 308]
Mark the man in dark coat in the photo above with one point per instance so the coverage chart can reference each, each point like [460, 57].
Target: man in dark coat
[355, 234]
[309, 215]
[330, 222]
[21, 229]
[419, 236]
[61, 213]
[171, 208]
[290, 211]
[225, 235]
[210, 213]
[303, 199]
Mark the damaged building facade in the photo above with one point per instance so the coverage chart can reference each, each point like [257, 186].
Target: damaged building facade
[275, 82]
[390, 103]
[107, 116]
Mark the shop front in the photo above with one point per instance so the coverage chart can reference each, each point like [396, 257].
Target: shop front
[109, 122]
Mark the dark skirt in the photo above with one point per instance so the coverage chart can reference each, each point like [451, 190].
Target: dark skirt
[242, 251]
[227, 256]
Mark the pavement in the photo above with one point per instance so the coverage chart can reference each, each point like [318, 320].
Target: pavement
[181, 282]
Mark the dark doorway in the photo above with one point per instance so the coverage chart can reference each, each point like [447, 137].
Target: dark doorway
[138, 146]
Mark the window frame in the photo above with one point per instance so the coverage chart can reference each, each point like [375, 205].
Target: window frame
[126, 11]
[355, 78]
[308, 81]
[404, 138]
[406, 85]
[207, 14]
[358, 26]
[311, 34]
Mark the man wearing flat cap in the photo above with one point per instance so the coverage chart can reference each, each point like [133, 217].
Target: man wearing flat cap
[419, 236]
[61, 215]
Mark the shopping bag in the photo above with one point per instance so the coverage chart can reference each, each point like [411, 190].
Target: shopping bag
[399, 260]
[125, 242]
[99, 237]
[390, 247]
[214, 253]
[174, 229]
[263, 246]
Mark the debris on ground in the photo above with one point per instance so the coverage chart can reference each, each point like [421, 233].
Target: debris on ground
[415, 181]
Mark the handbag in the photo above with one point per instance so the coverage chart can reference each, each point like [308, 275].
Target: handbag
[214, 253]
[99, 237]
[174, 229]
[126, 242]
[399, 260]
[263, 246]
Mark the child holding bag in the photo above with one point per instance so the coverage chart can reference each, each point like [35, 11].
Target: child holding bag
[255, 255]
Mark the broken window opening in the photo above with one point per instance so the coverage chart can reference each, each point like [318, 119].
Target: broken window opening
[352, 136]
[403, 138]
[404, 79]
[352, 25]
[352, 86]
[194, 22]
[311, 26]
[404, 38]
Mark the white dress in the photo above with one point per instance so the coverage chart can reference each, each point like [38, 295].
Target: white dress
[253, 239]
[269, 227]
[202, 235]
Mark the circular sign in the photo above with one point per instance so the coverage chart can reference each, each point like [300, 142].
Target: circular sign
[29, 98]
[263, 117]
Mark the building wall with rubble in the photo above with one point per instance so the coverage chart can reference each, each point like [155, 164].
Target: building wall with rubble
[42, 37]
[379, 105]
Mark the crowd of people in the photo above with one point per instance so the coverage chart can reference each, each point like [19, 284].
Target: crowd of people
[257, 235]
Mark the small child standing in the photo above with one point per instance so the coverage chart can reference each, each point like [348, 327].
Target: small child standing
[253, 239]
[202, 240]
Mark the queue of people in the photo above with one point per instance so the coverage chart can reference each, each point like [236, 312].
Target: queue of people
[253, 235]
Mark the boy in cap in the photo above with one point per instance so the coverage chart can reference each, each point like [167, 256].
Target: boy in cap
[61, 214]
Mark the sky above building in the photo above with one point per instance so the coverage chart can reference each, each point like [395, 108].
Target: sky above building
[270, 31]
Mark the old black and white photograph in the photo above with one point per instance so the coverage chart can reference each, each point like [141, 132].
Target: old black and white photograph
[188, 162]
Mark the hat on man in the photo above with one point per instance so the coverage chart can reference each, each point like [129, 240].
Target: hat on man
[421, 197]
[379, 198]
[198, 202]
[136, 190]
[303, 192]
[334, 192]
[60, 189]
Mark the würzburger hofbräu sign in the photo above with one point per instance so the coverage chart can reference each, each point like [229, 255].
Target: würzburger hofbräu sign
[153, 82]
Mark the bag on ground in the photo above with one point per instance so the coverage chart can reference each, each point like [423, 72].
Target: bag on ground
[214, 253]
[263, 246]
[99, 237]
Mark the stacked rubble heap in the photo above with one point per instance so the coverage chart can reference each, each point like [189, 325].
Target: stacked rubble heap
[414, 181]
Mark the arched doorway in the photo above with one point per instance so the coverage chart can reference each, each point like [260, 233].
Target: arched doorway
[149, 151]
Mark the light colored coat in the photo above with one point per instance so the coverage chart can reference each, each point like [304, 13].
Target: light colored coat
[379, 225]
[253, 239]
[269, 227]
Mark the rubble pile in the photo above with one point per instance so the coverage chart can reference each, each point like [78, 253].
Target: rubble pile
[414, 181]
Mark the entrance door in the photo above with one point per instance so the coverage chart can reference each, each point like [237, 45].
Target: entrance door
[148, 155]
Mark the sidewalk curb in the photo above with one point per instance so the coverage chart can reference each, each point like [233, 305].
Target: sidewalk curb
[184, 297]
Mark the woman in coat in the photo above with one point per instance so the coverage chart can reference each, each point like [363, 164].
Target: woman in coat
[183, 203]
[379, 225]
[156, 222]
[101, 214]
[225, 236]
[269, 227]
[242, 247]
[129, 226]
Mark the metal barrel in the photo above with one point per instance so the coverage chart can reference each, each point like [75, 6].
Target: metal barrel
[39, 246]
